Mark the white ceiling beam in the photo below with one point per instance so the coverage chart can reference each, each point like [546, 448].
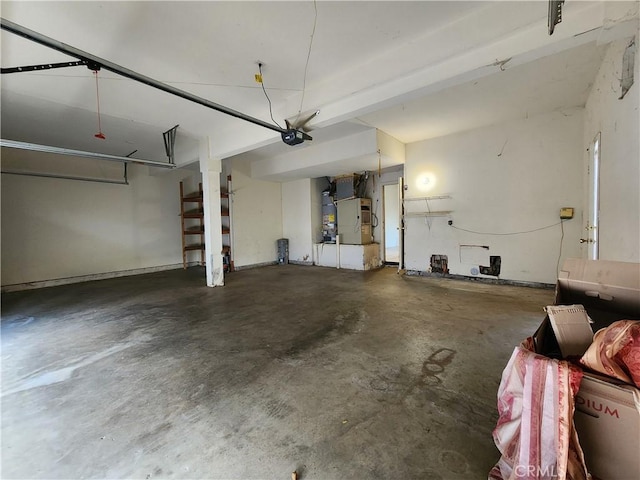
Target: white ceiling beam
[521, 46]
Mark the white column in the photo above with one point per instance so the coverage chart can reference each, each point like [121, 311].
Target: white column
[211, 168]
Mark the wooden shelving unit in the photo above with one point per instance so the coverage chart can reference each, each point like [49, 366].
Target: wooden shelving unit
[192, 223]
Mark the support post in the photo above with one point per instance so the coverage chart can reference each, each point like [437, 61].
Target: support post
[210, 169]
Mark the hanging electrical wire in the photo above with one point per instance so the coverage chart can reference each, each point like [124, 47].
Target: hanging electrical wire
[306, 66]
[560, 252]
[509, 233]
[374, 218]
[260, 79]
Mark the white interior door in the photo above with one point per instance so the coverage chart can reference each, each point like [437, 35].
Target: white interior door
[401, 222]
[593, 201]
[391, 223]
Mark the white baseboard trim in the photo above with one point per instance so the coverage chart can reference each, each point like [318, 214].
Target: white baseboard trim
[491, 281]
[254, 265]
[300, 262]
[16, 287]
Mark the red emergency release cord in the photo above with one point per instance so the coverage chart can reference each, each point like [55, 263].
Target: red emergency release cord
[99, 135]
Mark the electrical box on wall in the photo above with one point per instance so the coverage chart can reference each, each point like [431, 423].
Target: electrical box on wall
[566, 213]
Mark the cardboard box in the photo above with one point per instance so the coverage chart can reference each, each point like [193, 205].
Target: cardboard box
[607, 420]
[570, 324]
[607, 414]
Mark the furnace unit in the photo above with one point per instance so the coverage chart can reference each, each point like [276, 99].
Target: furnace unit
[354, 221]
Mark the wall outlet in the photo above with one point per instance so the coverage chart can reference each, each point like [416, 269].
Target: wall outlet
[566, 213]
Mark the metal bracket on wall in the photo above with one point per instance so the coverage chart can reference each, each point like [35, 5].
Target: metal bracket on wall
[628, 61]
[45, 66]
[443, 213]
[554, 15]
[434, 197]
[429, 212]
[169, 143]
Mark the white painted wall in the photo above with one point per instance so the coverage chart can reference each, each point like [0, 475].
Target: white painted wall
[302, 216]
[368, 149]
[296, 219]
[390, 148]
[618, 122]
[257, 218]
[506, 178]
[56, 229]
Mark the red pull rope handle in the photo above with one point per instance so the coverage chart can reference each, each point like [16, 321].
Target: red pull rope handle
[99, 135]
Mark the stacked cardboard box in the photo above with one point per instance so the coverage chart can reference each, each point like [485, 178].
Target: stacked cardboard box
[607, 416]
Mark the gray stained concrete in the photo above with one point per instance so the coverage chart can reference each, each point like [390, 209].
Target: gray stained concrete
[333, 373]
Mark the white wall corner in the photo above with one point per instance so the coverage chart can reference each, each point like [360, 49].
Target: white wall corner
[186, 150]
[618, 123]
[257, 218]
[620, 21]
[391, 147]
[297, 219]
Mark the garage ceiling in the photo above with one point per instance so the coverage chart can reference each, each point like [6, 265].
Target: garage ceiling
[555, 82]
[412, 69]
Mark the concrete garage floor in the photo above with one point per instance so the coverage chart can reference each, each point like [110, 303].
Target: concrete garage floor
[334, 373]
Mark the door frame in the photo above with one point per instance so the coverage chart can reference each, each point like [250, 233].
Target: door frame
[385, 221]
[592, 221]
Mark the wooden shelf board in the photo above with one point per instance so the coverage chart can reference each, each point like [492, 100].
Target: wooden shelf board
[193, 214]
[193, 197]
[193, 247]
